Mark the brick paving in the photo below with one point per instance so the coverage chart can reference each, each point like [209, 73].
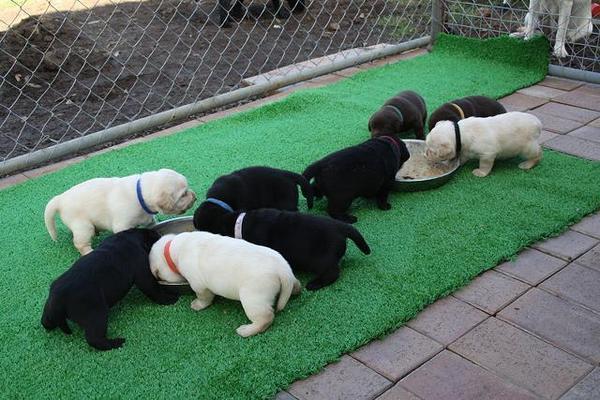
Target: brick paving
[528, 329]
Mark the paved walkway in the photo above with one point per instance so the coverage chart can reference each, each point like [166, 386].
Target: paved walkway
[528, 329]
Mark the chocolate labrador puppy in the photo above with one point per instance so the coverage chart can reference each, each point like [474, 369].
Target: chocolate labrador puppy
[472, 106]
[97, 281]
[251, 188]
[401, 113]
[309, 243]
[227, 12]
[365, 170]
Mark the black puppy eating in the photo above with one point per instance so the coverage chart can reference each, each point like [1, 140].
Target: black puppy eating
[365, 170]
[86, 291]
[401, 113]
[309, 243]
[252, 188]
[472, 106]
[227, 12]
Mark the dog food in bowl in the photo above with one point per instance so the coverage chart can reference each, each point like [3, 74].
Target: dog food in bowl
[418, 173]
[418, 167]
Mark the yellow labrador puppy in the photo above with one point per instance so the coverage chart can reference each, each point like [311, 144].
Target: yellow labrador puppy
[502, 136]
[231, 268]
[117, 204]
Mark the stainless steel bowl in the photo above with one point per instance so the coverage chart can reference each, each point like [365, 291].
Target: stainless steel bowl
[175, 225]
[426, 183]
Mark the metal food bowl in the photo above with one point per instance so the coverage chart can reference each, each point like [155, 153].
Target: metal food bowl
[175, 225]
[423, 183]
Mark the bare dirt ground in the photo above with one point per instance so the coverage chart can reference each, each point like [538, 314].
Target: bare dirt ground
[67, 74]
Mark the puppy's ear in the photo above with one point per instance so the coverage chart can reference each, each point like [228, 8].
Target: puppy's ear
[404, 154]
[151, 236]
[166, 202]
[447, 150]
[198, 217]
[208, 216]
[370, 128]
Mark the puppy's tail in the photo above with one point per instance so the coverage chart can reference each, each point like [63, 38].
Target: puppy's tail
[304, 187]
[54, 316]
[289, 285]
[538, 125]
[51, 209]
[353, 234]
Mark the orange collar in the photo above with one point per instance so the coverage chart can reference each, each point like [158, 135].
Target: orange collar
[168, 259]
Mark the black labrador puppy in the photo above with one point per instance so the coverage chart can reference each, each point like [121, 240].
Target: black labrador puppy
[401, 113]
[309, 243]
[472, 106]
[365, 170]
[227, 11]
[252, 188]
[86, 291]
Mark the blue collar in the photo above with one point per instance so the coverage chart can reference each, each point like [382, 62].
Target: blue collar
[220, 203]
[138, 190]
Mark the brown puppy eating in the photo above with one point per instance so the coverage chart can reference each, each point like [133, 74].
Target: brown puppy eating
[401, 113]
[472, 106]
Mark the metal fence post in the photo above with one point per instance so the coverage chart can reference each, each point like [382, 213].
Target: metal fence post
[437, 18]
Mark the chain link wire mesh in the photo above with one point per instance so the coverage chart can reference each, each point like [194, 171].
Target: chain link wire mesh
[489, 18]
[72, 67]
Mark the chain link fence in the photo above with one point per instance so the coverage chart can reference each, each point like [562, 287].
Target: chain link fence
[72, 68]
[489, 18]
[75, 73]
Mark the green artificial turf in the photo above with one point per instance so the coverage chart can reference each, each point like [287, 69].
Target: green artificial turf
[428, 245]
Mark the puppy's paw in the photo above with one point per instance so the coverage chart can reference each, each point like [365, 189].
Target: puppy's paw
[480, 173]
[528, 34]
[85, 250]
[283, 13]
[168, 298]
[116, 342]
[313, 286]
[198, 305]
[350, 219]
[384, 206]
[247, 330]
[560, 51]
[528, 164]
[575, 35]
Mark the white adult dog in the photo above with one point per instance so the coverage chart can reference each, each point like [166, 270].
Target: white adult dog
[487, 139]
[231, 268]
[574, 21]
[117, 204]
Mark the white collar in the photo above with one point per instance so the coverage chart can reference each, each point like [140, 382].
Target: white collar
[237, 229]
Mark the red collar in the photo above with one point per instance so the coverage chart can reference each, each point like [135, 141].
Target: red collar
[167, 254]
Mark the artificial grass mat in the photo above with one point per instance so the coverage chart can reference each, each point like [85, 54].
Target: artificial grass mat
[428, 245]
